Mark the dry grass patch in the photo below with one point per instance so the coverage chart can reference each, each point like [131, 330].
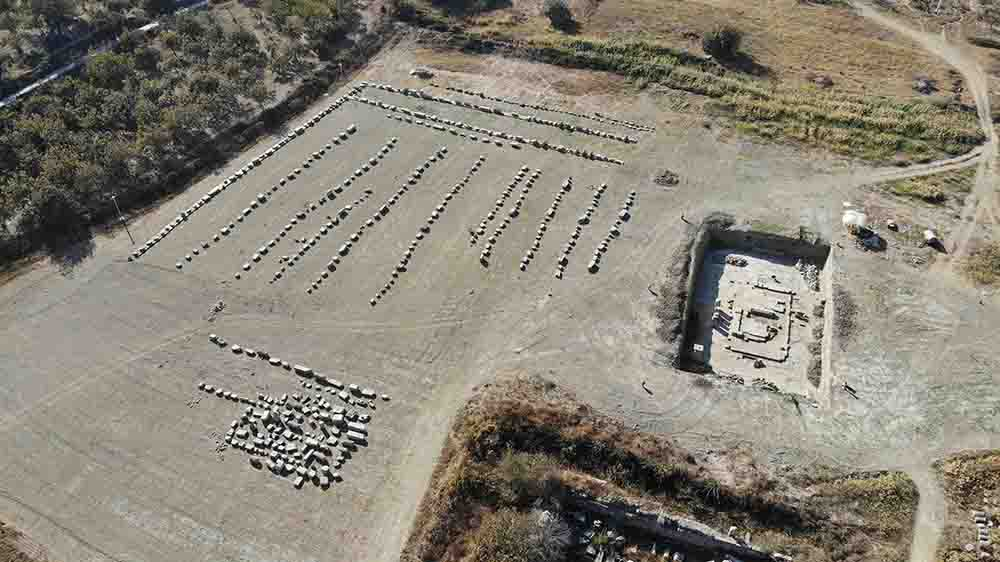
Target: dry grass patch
[934, 189]
[983, 264]
[793, 41]
[967, 478]
[9, 552]
[873, 128]
[525, 445]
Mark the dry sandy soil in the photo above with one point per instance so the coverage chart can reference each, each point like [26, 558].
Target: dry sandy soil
[111, 452]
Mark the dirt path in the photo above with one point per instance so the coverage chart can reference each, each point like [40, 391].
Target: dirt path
[982, 208]
[982, 205]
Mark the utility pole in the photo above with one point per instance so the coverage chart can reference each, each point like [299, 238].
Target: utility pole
[122, 218]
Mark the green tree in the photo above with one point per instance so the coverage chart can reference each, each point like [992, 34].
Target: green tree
[53, 211]
[147, 59]
[109, 70]
[55, 13]
[559, 14]
[157, 7]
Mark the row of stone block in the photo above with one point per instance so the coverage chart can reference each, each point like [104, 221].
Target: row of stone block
[378, 216]
[458, 128]
[613, 232]
[562, 125]
[537, 106]
[242, 172]
[435, 215]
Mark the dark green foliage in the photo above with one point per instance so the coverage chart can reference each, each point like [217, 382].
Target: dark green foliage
[139, 120]
[559, 14]
[722, 42]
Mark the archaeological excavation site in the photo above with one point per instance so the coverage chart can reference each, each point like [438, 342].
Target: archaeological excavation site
[757, 308]
[443, 281]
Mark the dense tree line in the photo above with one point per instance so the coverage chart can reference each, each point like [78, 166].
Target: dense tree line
[135, 114]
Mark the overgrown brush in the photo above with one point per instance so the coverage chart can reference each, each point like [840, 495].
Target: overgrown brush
[874, 128]
[983, 265]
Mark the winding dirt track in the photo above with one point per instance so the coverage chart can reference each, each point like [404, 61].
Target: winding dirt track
[983, 207]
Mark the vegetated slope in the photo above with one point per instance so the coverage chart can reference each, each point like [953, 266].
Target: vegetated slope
[792, 41]
[524, 444]
[970, 481]
[135, 118]
[9, 551]
[870, 127]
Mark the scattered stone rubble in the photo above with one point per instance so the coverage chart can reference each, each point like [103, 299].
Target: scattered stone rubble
[435, 215]
[614, 232]
[810, 273]
[568, 127]
[384, 210]
[512, 213]
[458, 128]
[594, 116]
[297, 437]
[243, 171]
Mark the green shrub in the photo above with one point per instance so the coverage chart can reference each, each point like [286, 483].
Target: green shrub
[559, 14]
[722, 42]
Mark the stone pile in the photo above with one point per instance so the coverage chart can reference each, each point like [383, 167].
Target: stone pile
[243, 171]
[262, 199]
[512, 213]
[614, 232]
[543, 227]
[810, 273]
[458, 127]
[404, 261]
[581, 222]
[475, 233]
[592, 116]
[309, 208]
[298, 437]
[377, 217]
[563, 125]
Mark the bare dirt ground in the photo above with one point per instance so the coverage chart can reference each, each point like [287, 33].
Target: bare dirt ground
[111, 452]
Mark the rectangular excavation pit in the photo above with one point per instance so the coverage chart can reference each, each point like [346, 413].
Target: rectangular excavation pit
[751, 311]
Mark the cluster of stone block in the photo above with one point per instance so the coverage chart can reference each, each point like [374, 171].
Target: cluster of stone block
[543, 227]
[377, 217]
[563, 125]
[243, 171]
[475, 233]
[614, 232]
[581, 222]
[297, 437]
[512, 213]
[458, 128]
[593, 117]
[424, 230]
